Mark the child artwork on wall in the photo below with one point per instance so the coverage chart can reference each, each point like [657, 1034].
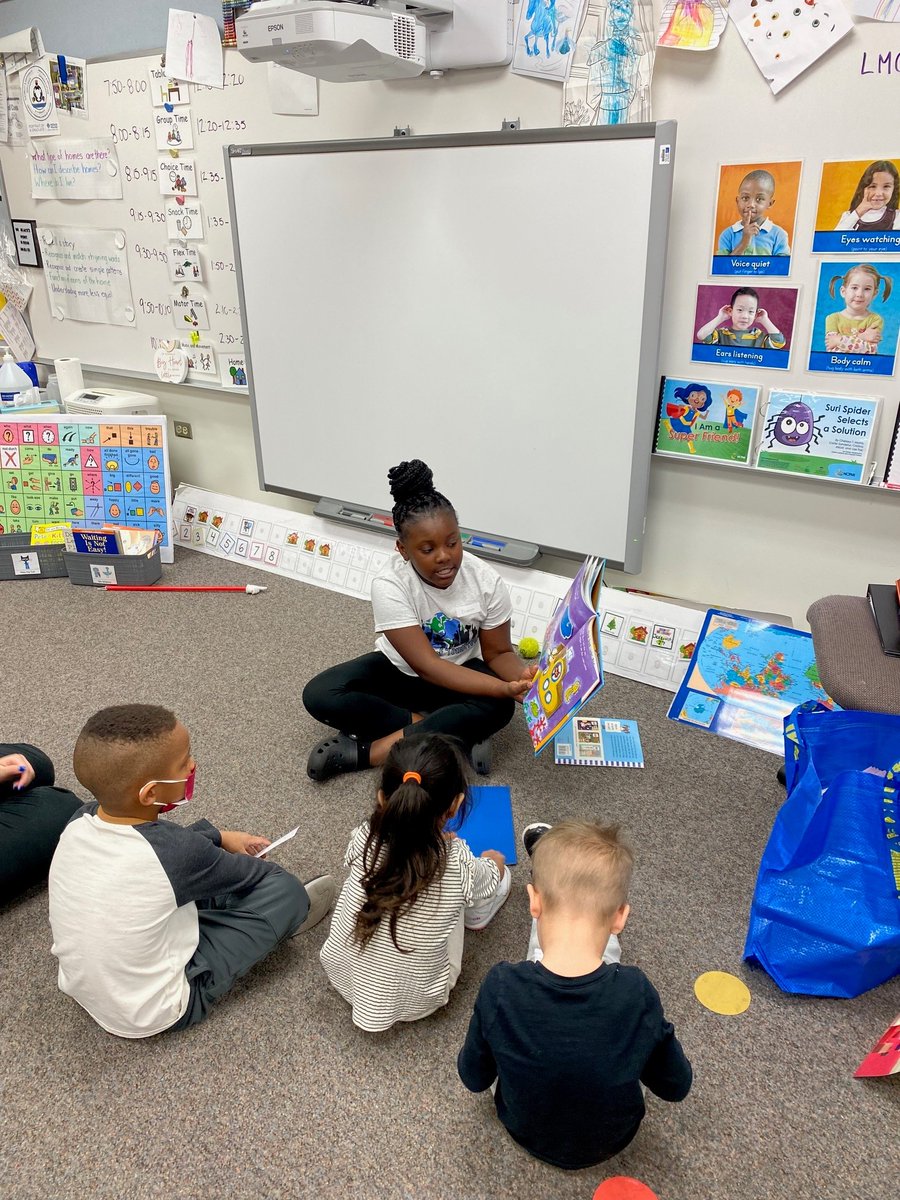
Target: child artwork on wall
[691, 24]
[787, 38]
[545, 37]
[744, 325]
[706, 420]
[809, 433]
[858, 209]
[756, 208]
[612, 65]
[857, 319]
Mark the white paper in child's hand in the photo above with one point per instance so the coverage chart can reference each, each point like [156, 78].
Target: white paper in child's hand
[286, 837]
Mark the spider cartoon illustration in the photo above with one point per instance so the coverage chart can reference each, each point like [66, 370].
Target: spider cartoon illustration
[795, 427]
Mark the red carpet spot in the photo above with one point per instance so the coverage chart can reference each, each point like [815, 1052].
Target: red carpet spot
[621, 1187]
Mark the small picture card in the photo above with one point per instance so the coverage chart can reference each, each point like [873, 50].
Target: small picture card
[185, 220]
[26, 563]
[744, 326]
[177, 176]
[234, 371]
[857, 318]
[706, 420]
[103, 573]
[810, 433]
[164, 90]
[756, 209]
[189, 312]
[174, 130]
[201, 358]
[857, 211]
[185, 264]
[28, 252]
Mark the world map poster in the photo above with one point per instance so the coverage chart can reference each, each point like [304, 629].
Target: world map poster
[745, 677]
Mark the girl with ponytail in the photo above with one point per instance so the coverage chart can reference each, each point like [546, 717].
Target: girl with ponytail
[395, 946]
[444, 660]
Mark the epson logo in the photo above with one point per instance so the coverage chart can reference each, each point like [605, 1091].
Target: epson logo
[275, 28]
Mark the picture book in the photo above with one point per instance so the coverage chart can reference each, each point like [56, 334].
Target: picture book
[745, 676]
[92, 541]
[598, 742]
[49, 534]
[706, 420]
[884, 1057]
[811, 433]
[570, 668]
[489, 822]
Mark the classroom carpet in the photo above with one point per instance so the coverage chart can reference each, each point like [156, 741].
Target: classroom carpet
[278, 1094]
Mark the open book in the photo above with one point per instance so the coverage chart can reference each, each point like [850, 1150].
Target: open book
[570, 669]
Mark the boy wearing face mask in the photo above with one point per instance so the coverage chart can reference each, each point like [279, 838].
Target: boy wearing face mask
[154, 921]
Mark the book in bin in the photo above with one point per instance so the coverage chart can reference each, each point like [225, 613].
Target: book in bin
[570, 668]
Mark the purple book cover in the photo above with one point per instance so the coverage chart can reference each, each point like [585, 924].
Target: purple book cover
[570, 669]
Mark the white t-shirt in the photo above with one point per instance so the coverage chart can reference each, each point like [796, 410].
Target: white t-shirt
[449, 617]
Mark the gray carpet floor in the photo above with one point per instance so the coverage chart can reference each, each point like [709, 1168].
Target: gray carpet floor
[277, 1094]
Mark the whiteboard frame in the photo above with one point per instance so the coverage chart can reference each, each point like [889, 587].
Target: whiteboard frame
[641, 429]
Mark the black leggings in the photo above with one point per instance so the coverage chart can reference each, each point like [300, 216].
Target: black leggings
[30, 825]
[370, 698]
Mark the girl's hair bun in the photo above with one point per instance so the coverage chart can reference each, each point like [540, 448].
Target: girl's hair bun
[410, 479]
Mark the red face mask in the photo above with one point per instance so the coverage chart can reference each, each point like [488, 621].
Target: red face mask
[188, 790]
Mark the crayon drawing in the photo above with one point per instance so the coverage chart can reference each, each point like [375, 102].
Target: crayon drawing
[609, 78]
[691, 24]
[545, 37]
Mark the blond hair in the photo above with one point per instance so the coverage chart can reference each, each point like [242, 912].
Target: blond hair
[583, 867]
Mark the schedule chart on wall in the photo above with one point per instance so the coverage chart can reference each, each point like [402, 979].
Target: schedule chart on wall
[86, 472]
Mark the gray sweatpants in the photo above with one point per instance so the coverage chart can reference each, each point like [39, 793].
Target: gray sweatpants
[236, 932]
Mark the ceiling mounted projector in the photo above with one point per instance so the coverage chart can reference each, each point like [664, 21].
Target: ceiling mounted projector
[344, 42]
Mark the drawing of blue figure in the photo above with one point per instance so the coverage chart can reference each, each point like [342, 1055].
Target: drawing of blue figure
[612, 66]
[544, 25]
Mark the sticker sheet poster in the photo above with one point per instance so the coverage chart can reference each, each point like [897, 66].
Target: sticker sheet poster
[808, 433]
[92, 473]
[706, 420]
[857, 318]
[748, 325]
[756, 209]
[858, 212]
[745, 677]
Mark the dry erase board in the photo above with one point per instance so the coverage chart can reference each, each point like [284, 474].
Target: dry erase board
[437, 315]
[120, 107]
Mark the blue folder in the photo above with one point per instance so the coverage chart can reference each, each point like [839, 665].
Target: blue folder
[489, 825]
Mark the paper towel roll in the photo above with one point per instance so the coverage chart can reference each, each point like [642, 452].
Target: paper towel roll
[68, 373]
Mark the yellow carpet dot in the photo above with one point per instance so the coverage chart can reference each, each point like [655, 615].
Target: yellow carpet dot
[722, 993]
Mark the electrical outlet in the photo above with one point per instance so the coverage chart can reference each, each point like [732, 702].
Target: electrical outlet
[183, 429]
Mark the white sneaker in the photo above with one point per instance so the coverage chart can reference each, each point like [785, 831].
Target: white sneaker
[321, 891]
[481, 913]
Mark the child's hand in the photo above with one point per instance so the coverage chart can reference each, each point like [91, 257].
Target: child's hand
[17, 770]
[872, 336]
[833, 341]
[497, 857]
[763, 318]
[725, 313]
[243, 843]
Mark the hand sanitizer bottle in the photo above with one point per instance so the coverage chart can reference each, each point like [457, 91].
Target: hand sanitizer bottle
[13, 381]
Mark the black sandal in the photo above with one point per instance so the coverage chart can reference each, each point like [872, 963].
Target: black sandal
[481, 757]
[333, 756]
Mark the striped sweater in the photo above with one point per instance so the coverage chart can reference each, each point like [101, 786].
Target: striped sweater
[382, 984]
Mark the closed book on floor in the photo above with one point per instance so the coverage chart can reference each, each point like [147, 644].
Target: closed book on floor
[886, 611]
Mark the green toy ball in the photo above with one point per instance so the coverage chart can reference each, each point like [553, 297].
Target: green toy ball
[529, 647]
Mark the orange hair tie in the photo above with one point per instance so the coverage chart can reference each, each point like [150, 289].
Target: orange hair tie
[412, 775]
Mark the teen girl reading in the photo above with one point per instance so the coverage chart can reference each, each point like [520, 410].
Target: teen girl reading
[444, 661]
[395, 947]
[874, 203]
[855, 329]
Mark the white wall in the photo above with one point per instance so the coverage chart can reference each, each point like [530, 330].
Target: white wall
[714, 534]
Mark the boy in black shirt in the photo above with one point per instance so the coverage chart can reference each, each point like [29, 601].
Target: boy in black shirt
[570, 1039]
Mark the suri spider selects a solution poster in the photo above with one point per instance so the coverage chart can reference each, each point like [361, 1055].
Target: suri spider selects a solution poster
[809, 433]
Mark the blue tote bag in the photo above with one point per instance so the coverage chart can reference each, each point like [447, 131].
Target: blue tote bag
[825, 917]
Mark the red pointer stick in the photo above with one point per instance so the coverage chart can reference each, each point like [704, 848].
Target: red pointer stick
[252, 589]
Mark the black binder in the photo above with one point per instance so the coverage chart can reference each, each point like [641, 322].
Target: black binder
[886, 611]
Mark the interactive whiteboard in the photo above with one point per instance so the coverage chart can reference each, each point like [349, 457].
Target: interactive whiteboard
[488, 302]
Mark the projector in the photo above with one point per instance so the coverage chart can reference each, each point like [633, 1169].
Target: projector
[335, 41]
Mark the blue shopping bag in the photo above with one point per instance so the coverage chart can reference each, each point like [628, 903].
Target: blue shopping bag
[825, 917]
